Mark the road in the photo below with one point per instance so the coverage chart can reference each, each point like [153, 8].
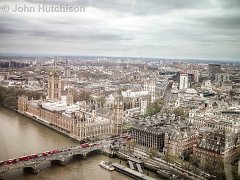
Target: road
[161, 164]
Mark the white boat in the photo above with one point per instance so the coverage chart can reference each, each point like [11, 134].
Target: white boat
[106, 165]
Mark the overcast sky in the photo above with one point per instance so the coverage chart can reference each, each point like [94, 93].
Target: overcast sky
[207, 29]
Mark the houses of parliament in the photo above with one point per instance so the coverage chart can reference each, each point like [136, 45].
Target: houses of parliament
[74, 119]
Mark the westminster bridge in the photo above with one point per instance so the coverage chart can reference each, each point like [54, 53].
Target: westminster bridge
[33, 163]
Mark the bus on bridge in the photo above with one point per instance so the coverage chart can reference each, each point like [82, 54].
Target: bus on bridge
[34, 161]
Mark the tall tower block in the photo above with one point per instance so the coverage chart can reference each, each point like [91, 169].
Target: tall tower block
[54, 86]
[66, 69]
[150, 85]
[183, 84]
[117, 117]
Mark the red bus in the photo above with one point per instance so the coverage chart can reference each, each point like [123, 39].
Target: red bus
[9, 161]
[34, 156]
[85, 145]
[55, 151]
[24, 158]
[44, 154]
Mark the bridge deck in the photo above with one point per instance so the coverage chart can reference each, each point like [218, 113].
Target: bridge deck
[33, 161]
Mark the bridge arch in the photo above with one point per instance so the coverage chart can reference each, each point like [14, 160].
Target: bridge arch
[94, 151]
[83, 155]
[79, 155]
[60, 162]
[31, 169]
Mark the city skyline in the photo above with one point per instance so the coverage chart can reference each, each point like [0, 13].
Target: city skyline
[180, 117]
[166, 29]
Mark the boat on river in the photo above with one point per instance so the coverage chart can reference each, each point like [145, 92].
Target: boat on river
[106, 165]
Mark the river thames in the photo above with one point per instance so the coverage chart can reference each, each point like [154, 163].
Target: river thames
[21, 136]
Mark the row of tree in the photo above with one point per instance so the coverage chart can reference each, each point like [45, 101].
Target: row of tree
[80, 96]
[9, 96]
[180, 112]
[155, 107]
[158, 105]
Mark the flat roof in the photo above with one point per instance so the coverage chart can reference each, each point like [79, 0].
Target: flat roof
[130, 171]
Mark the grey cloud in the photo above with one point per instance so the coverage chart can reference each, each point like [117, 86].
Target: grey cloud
[230, 3]
[143, 7]
[232, 23]
[54, 32]
[170, 31]
[138, 7]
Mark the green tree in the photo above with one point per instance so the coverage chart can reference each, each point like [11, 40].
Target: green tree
[155, 107]
[152, 152]
[80, 96]
[179, 111]
[9, 96]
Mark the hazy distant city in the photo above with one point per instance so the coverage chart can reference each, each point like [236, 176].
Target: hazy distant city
[121, 90]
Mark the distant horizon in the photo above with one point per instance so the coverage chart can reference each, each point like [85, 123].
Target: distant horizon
[133, 57]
